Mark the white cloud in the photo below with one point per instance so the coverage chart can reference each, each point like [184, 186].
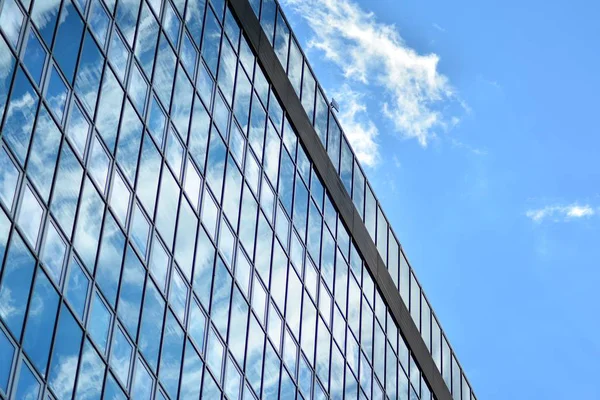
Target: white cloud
[358, 127]
[439, 28]
[473, 150]
[558, 213]
[410, 89]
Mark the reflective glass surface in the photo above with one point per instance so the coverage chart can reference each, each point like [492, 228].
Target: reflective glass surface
[163, 232]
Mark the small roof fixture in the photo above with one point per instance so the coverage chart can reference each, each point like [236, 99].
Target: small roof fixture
[334, 105]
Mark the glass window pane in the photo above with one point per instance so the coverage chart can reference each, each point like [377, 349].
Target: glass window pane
[7, 354]
[159, 263]
[188, 55]
[130, 138]
[77, 288]
[65, 356]
[34, 57]
[99, 21]
[127, 13]
[210, 45]
[130, 296]
[193, 183]
[308, 92]
[456, 373]
[198, 144]
[227, 67]
[254, 354]
[238, 326]
[156, 121]
[171, 23]
[192, 374]
[108, 269]
[164, 71]
[20, 116]
[233, 192]
[221, 115]
[138, 89]
[295, 66]
[233, 380]
[43, 153]
[44, 15]
[282, 37]
[197, 325]
[178, 294]
[4, 230]
[321, 113]
[264, 240]
[167, 207]
[415, 301]
[77, 129]
[247, 226]
[121, 352]
[54, 252]
[243, 94]
[40, 322]
[425, 322]
[150, 164]
[146, 39]
[210, 390]
[99, 322]
[99, 164]
[9, 178]
[119, 198]
[216, 163]
[214, 354]
[220, 298]
[142, 382]
[436, 345]
[171, 356]
[68, 39]
[16, 284]
[91, 374]
[140, 229]
[112, 390]
[151, 325]
[118, 54]
[109, 109]
[28, 386]
[193, 19]
[174, 153]
[30, 216]
[182, 104]
[205, 85]
[87, 83]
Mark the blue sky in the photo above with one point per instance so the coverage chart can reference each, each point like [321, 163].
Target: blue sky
[477, 124]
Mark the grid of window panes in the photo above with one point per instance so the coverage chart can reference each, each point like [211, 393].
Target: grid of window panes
[162, 231]
[332, 137]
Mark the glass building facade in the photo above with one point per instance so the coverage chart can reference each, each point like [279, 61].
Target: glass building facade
[166, 231]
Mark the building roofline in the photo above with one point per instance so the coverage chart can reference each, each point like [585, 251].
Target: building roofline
[284, 90]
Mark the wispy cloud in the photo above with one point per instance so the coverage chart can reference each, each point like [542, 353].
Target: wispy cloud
[560, 213]
[372, 56]
[359, 128]
[471, 149]
[439, 28]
